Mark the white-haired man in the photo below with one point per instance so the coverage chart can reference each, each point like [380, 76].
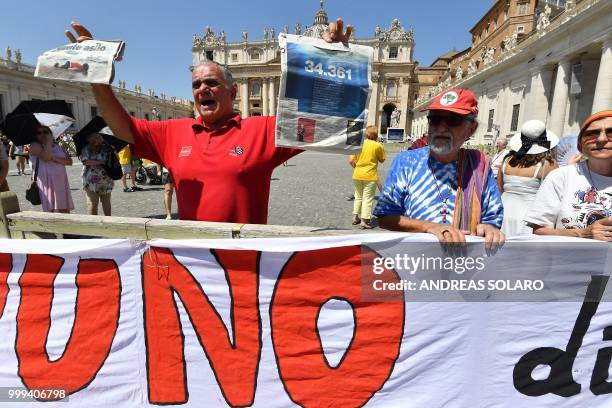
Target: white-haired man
[221, 164]
[443, 189]
[501, 143]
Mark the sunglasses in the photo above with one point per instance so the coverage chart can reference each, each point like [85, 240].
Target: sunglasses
[593, 134]
[451, 121]
[211, 83]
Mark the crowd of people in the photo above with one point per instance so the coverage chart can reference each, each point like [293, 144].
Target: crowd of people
[449, 191]
[221, 166]
[46, 160]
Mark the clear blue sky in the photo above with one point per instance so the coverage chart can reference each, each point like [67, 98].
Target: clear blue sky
[159, 33]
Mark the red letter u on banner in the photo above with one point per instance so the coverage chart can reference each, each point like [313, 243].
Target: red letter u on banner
[233, 361]
[309, 280]
[95, 323]
[6, 264]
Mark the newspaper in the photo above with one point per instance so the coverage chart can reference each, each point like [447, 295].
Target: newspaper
[324, 94]
[88, 61]
[57, 123]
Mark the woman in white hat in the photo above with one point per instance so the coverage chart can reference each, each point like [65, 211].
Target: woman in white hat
[522, 171]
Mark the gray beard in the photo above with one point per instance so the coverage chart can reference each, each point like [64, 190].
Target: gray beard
[442, 149]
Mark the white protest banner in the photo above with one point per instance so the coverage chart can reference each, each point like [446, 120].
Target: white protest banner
[286, 322]
[89, 61]
[324, 94]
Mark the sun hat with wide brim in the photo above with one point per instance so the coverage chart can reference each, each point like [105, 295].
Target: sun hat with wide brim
[533, 138]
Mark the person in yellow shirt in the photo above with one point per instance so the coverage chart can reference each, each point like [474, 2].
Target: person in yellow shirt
[365, 177]
[125, 159]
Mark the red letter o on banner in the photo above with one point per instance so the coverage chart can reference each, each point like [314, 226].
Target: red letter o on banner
[308, 280]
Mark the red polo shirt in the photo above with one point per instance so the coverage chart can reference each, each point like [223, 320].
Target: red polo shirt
[220, 175]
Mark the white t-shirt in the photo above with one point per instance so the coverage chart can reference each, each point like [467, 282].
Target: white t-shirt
[571, 197]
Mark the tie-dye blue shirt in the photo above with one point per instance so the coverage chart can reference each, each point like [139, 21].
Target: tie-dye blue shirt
[410, 190]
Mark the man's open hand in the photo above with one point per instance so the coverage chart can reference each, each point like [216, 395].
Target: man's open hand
[81, 31]
[493, 237]
[446, 234]
[336, 32]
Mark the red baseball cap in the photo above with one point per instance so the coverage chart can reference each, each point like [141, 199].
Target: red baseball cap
[461, 101]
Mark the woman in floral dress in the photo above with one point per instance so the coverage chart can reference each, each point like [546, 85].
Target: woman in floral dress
[96, 182]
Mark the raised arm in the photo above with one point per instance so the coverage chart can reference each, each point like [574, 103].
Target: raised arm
[114, 114]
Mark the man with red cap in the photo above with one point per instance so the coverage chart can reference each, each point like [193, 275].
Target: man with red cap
[443, 189]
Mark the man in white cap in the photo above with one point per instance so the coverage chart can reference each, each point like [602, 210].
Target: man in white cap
[443, 189]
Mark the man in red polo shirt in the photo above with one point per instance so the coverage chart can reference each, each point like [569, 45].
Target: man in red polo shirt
[221, 164]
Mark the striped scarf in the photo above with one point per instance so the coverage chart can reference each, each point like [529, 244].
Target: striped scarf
[473, 171]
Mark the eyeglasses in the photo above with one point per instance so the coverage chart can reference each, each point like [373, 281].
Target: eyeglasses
[592, 134]
[210, 82]
[451, 121]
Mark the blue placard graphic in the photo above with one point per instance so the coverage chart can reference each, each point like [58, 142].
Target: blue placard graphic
[395, 135]
[327, 82]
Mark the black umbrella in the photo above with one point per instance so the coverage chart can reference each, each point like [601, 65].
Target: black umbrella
[20, 125]
[97, 125]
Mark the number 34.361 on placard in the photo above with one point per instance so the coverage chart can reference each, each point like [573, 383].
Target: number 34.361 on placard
[330, 71]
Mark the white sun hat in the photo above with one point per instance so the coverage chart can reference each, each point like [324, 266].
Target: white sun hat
[533, 138]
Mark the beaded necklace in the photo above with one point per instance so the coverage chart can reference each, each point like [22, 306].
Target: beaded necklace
[444, 211]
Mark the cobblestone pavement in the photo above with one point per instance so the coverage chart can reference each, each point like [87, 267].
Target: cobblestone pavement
[312, 190]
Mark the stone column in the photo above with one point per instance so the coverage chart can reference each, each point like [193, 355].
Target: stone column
[502, 113]
[273, 96]
[373, 105]
[537, 98]
[244, 96]
[556, 122]
[590, 67]
[603, 88]
[264, 96]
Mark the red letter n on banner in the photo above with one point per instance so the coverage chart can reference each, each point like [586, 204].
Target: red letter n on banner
[95, 323]
[308, 281]
[233, 361]
[6, 264]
